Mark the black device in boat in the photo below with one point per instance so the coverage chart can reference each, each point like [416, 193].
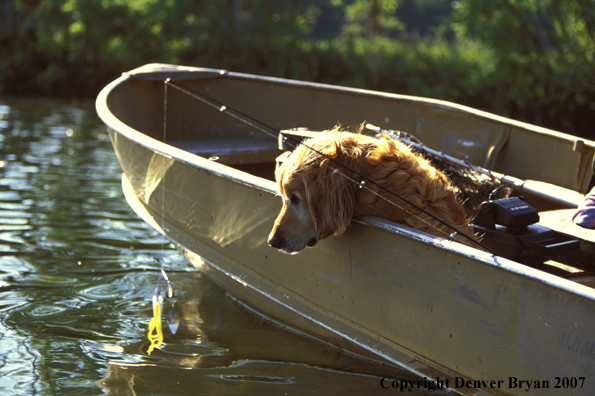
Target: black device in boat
[509, 227]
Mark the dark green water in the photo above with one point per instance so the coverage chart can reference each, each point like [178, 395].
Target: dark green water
[78, 270]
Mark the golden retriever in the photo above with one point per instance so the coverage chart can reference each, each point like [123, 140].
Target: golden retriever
[320, 196]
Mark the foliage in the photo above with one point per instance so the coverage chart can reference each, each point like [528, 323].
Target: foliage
[544, 57]
[365, 18]
[529, 59]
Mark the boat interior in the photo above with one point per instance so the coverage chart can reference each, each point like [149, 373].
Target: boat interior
[531, 226]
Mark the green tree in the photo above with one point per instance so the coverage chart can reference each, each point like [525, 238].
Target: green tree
[544, 54]
[74, 47]
[370, 18]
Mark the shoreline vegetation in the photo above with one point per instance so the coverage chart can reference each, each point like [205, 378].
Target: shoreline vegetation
[531, 60]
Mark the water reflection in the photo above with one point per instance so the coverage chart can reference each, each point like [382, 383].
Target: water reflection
[78, 269]
[233, 351]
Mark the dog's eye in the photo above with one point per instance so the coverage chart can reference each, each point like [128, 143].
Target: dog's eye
[294, 199]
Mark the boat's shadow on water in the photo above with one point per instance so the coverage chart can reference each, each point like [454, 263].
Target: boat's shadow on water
[223, 348]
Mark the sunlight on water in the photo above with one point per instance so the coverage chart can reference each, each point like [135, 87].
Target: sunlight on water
[78, 270]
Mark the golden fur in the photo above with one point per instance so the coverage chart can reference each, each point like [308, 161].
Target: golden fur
[319, 199]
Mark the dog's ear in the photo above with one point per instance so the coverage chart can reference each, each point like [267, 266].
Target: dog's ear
[281, 164]
[331, 198]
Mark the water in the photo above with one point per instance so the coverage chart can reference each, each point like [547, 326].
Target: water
[78, 270]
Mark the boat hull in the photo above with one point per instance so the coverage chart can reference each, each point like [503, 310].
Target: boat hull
[381, 290]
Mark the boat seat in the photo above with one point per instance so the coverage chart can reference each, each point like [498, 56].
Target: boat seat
[231, 151]
[561, 220]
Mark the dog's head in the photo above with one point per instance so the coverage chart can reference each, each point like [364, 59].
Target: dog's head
[318, 199]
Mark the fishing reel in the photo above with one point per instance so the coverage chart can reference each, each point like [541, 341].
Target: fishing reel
[509, 227]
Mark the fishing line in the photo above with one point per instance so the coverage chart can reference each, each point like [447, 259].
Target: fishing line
[296, 141]
[155, 333]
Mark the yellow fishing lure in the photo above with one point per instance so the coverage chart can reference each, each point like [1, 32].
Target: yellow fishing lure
[155, 334]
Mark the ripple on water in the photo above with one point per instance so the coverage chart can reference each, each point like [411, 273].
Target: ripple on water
[44, 311]
[107, 291]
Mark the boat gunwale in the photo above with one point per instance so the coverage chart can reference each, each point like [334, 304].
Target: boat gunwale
[154, 145]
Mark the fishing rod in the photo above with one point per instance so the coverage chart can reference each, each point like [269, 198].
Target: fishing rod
[269, 130]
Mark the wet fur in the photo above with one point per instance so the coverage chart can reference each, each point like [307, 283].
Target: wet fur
[329, 200]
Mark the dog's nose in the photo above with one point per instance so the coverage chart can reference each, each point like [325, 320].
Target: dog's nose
[276, 241]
